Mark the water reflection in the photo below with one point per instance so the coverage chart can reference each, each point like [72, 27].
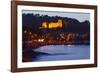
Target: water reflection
[61, 52]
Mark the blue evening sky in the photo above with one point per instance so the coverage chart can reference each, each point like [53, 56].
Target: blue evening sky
[77, 15]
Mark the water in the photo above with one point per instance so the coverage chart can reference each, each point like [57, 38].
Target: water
[62, 52]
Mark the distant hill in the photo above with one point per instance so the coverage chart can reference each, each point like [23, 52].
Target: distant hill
[32, 22]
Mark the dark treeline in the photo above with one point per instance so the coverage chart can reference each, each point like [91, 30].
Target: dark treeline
[32, 22]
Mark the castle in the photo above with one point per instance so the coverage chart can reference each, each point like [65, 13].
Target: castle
[51, 25]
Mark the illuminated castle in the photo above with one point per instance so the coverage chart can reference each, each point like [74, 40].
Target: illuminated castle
[51, 25]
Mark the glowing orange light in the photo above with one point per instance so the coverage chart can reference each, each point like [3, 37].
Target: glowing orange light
[32, 36]
[30, 33]
[40, 40]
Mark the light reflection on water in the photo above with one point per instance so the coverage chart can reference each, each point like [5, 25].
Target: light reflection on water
[62, 52]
